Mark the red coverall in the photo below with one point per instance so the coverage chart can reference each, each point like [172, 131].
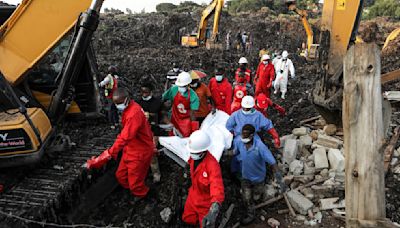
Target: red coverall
[247, 75]
[136, 142]
[221, 94]
[263, 102]
[180, 117]
[207, 188]
[265, 75]
[239, 92]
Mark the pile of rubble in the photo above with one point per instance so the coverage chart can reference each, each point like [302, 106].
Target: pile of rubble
[313, 162]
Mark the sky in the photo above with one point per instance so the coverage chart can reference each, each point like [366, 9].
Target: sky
[134, 5]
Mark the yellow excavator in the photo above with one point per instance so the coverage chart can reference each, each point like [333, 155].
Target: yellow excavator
[202, 37]
[47, 69]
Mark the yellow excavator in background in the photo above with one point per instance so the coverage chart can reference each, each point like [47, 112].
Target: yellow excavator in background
[202, 37]
[47, 69]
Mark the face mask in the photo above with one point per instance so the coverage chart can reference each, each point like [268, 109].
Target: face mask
[265, 62]
[121, 107]
[194, 85]
[284, 59]
[246, 140]
[247, 112]
[196, 156]
[182, 89]
[147, 98]
[175, 69]
[218, 77]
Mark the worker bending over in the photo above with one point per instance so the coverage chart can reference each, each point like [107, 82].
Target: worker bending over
[282, 68]
[207, 191]
[263, 102]
[136, 143]
[264, 76]
[221, 91]
[184, 102]
[205, 98]
[253, 154]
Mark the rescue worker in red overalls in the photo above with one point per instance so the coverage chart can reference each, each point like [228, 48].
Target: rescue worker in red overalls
[136, 143]
[207, 191]
[184, 102]
[263, 102]
[221, 91]
[240, 89]
[264, 76]
[243, 68]
[110, 84]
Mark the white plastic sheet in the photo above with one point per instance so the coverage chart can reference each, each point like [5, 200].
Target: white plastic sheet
[214, 125]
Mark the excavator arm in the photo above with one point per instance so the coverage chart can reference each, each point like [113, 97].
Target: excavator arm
[216, 8]
[303, 14]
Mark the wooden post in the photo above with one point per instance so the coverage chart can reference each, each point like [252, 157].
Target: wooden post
[363, 137]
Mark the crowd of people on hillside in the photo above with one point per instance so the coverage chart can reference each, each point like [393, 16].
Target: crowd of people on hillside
[186, 102]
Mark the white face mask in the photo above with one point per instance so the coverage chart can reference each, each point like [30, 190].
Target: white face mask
[122, 107]
[194, 85]
[147, 98]
[247, 112]
[182, 89]
[175, 69]
[246, 140]
[196, 156]
[265, 62]
[219, 77]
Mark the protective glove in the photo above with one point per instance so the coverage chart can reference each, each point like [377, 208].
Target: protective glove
[99, 161]
[279, 180]
[275, 136]
[280, 109]
[211, 217]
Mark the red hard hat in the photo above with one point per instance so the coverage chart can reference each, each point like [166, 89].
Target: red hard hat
[262, 101]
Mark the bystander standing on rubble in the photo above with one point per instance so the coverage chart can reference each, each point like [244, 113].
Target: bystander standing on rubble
[221, 91]
[205, 98]
[282, 68]
[264, 76]
[245, 38]
[253, 154]
[206, 193]
[152, 107]
[228, 40]
[184, 103]
[238, 40]
[249, 44]
[136, 143]
[249, 115]
[110, 84]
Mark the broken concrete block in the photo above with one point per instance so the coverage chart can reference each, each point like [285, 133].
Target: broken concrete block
[308, 170]
[308, 193]
[285, 138]
[314, 135]
[304, 152]
[318, 177]
[320, 159]
[166, 214]
[340, 177]
[324, 173]
[296, 167]
[303, 178]
[331, 203]
[328, 141]
[330, 129]
[299, 202]
[269, 192]
[290, 151]
[273, 222]
[305, 140]
[300, 218]
[336, 160]
[299, 131]
[288, 179]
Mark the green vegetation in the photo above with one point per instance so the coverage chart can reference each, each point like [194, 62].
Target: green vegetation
[186, 6]
[389, 8]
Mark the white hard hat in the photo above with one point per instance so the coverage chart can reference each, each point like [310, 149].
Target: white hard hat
[199, 141]
[285, 54]
[247, 102]
[266, 57]
[183, 79]
[242, 60]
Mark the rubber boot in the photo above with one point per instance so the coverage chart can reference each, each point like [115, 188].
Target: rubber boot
[155, 169]
[250, 215]
[247, 198]
[283, 95]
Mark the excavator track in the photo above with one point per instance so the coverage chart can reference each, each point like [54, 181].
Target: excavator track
[54, 185]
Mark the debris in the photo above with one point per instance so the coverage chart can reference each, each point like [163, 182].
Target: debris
[268, 202]
[308, 170]
[340, 177]
[328, 141]
[305, 140]
[392, 95]
[290, 151]
[390, 148]
[307, 192]
[324, 173]
[296, 167]
[309, 120]
[269, 192]
[58, 167]
[304, 178]
[273, 222]
[285, 138]
[283, 211]
[166, 214]
[227, 216]
[320, 159]
[299, 131]
[314, 135]
[336, 160]
[331, 203]
[299, 202]
[289, 205]
[288, 179]
[301, 218]
[330, 129]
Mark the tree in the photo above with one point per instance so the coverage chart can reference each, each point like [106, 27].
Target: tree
[389, 8]
[165, 7]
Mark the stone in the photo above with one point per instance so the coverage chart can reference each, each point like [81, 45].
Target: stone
[288, 179]
[330, 129]
[308, 193]
[311, 157]
[305, 152]
[308, 170]
[294, 184]
[340, 177]
[328, 141]
[299, 131]
[320, 122]
[332, 173]
[318, 177]
[329, 182]
[290, 151]
[314, 135]
[269, 192]
[285, 138]
[166, 214]
[318, 217]
[336, 160]
[300, 218]
[299, 202]
[331, 203]
[303, 178]
[320, 159]
[311, 163]
[305, 140]
[324, 173]
[296, 167]
[273, 222]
